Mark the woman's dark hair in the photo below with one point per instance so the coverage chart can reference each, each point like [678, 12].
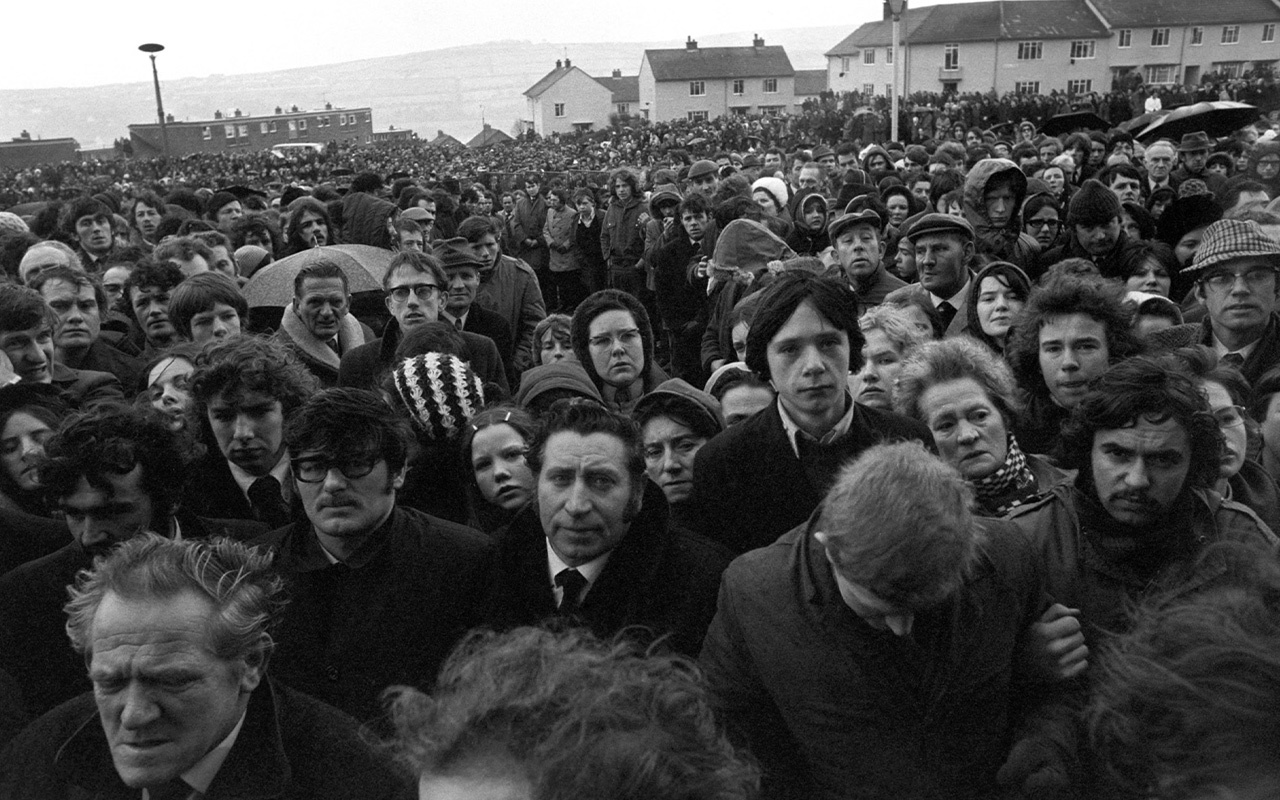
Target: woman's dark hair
[520, 420]
[45, 404]
[597, 304]
[1011, 276]
[834, 300]
[1153, 249]
[1142, 218]
[914, 206]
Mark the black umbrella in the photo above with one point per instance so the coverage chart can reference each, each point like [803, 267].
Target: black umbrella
[1216, 118]
[1132, 126]
[1075, 121]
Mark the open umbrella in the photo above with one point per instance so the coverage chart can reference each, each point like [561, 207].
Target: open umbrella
[34, 207]
[862, 111]
[1215, 117]
[1141, 121]
[273, 285]
[1075, 121]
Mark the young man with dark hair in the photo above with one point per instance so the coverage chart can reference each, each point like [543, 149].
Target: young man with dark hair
[764, 476]
[379, 592]
[680, 293]
[147, 293]
[508, 286]
[88, 220]
[80, 304]
[208, 307]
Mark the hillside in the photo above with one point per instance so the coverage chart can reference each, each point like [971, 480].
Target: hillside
[447, 89]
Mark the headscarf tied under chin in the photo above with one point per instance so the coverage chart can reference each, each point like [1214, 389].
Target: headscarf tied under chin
[440, 392]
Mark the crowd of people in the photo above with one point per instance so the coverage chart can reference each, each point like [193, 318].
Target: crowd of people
[820, 466]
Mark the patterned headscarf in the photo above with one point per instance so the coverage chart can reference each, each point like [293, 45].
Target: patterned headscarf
[1010, 486]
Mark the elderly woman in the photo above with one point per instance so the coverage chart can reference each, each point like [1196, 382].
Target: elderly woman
[613, 341]
[890, 335]
[1002, 290]
[968, 398]
[675, 421]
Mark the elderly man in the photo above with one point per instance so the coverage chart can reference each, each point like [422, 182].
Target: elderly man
[944, 248]
[458, 305]
[763, 477]
[27, 330]
[1094, 233]
[114, 473]
[1141, 509]
[414, 286]
[176, 636]
[509, 286]
[380, 593]
[318, 324]
[1193, 152]
[858, 239]
[1159, 160]
[703, 178]
[79, 342]
[597, 545]
[876, 646]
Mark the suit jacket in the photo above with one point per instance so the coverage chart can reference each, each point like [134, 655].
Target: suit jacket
[86, 389]
[489, 323]
[25, 537]
[389, 616]
[220, 496]
[103, 357]
[290, 747]
[959, 323]
[660, 578]
[361, 367]
[750, 486]
[34, 648]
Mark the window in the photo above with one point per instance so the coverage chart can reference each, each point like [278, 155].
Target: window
[293, 126]
[262, 127]
[888, 54]
[207, 133]
[888, 90]
[739, 86]
[697, 88]
[869, 56]
[1269, 32]
[1230, 34]
[698, 116]
[1079, 86]
[1124, 38]
[230, 131]
[1229, 69]
[243, 131]
[624, 108]
[1197, 36]
[740, 111]
[1082, 48]
[1160, 73]
[868, 88]
[302, 124]
[342, 120]
[951, 57]
[1159, 37]
[1030, 51]
[772, 111]
[770, 85]
[844, 65]
[273, 126]
[1027, 87]
[559, 109]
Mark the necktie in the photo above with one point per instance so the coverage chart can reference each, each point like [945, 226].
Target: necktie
[1233, 360]
[947, 312]
[333, 344]
[821, 461]
[457, 324]
[572, 583]
[268, 505]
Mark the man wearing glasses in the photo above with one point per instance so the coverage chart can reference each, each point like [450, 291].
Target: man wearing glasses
[414, 284]
[379, 593]
[1235, 273]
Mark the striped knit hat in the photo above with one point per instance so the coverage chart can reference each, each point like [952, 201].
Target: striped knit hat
[441, 393]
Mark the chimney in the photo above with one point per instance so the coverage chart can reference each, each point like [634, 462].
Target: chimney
[167, 118]
[294, 109]
[559, 64]
[328, 106]
[690, 44]
[567, 64]
[237, 112]
[279, 110]
[617, 73]
[757, 41]
[217, 115]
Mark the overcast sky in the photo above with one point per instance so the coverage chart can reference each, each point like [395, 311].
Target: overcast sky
[91, 42]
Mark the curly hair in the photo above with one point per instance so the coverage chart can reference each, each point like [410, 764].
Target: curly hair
[112, 441]
[246, 594]
[579, 717]
[1062, 297]
[1150, 387]
[248, 363]
[952, 360]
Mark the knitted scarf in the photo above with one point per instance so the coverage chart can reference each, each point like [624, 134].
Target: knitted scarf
[1007, 487]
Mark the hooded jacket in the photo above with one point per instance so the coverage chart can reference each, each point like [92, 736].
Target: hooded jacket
[364, 220]
[1005, 242]
[804, 240]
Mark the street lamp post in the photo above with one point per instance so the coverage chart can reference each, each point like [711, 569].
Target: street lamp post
[151, 49]
[895, 8]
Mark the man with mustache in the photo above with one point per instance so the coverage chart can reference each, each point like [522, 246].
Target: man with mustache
[1141, 510]
[115, 473]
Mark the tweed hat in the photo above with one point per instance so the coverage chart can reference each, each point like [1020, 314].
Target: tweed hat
[417, 214]
[1192, 142]
[822, 151]
[441, 393]
[1232, 239]
[843, 222]
[940, 223]
[455, 253]
[1093, 204]
[703, 167]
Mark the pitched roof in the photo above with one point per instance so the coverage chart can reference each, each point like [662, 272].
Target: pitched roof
[626, 89]
[487, 137]
[810, 81]
[984, 21]
[444, 140]
[1150, 13]
[770, 61]
[546, 81]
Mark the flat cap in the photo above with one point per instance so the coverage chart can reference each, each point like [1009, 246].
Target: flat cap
[455, 253]
[940, 223]
[844, 222]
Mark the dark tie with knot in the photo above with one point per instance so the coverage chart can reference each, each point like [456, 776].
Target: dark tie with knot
[268, 505]
[947, 312]
[821, 461]
[1233, 360]
[572, 583]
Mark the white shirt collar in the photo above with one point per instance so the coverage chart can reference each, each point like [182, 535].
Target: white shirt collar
[451, 318]
[280, 472]
[590, 570]
[1221, 349]
[793, 430]
[956, 300]
[201, 774]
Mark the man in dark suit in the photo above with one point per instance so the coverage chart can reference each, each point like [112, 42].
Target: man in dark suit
[764, 476]
[379, 593]
[79, 302]
[460, 309]
[415, 284]
[944, 247]
[115, 473]
[176, 636]
[597, 545]
[246, 388]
